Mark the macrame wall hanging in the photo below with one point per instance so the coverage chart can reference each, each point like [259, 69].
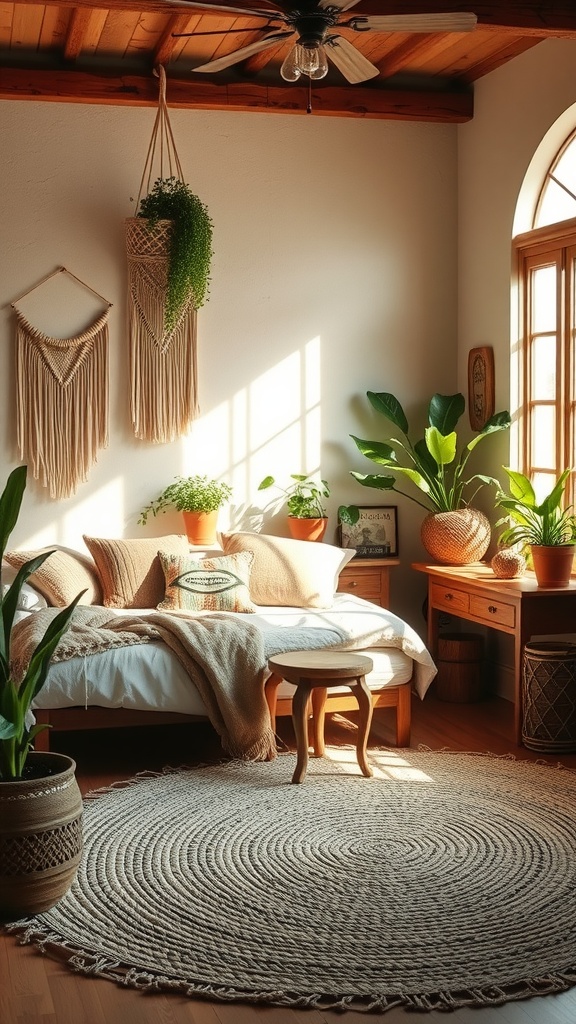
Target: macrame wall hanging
[166, 286]
[61, 398]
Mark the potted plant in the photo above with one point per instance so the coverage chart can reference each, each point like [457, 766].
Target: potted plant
[548, 530]
[307, 518]
[453, 532]
[198, 498]
[40, 824]
[172, 207]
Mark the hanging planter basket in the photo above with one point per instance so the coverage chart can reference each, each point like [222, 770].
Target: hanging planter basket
[168, 267]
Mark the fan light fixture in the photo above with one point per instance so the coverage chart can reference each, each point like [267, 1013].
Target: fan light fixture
[303, 59]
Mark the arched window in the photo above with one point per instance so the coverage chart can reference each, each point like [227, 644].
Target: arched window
[546, 275]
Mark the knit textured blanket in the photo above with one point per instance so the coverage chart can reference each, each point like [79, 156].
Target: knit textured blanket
[224, 658]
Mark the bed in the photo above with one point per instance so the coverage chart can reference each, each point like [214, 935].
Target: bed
[283, 598]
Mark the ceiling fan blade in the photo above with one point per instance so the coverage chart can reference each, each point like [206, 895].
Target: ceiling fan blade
[218, 8]
[341, 5]
[458, 22]
[243, 53]
[354, 65]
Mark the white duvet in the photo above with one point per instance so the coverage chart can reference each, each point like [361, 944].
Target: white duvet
[149, 677]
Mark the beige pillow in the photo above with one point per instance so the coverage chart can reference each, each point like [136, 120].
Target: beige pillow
[297, 573]
[130, 570]
[62, 576]
[207, 584]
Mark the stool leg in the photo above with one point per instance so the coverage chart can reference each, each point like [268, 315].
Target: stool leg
[364, 697]
[319, 694]
[299, 720]
[270, 693]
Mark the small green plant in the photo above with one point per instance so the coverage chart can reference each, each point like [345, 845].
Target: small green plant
[304, 496]
[434, 465]
[541, 523]
[16, 736]
[189, 494]
[190, 246]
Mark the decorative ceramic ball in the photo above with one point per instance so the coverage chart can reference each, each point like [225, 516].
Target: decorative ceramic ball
[507, 564]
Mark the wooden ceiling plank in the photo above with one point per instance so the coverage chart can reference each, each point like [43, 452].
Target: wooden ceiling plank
[530, 16]
[168, 47]
[147, 33]
[6, 11]
[26, 26]
[132, 90]
[77, 32]
[497, 59]
[94, 32]
[117, 32]
[403, 55]
[54, 28]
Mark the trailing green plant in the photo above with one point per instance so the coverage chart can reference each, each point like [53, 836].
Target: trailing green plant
[16, 735]
[189, 494]
[190, 243]
[542, 523]
[305, 496]
[434, 464]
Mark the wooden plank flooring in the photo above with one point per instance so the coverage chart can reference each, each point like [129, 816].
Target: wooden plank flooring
[35, 989]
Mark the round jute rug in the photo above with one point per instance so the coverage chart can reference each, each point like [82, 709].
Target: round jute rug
[445, 880]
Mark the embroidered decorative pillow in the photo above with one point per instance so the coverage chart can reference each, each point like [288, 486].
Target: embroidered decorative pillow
[130, 570]
[62, 576]
[30, 600]
[295, 573]
[207, 585]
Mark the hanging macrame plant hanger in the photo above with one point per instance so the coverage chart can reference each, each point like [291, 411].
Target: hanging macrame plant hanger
[163, 362]
[61, 398]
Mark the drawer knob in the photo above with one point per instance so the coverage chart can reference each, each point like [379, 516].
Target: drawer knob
[492, 609]
[449, 597]
[353, 583]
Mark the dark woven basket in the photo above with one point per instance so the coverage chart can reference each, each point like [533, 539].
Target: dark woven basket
[549, 696]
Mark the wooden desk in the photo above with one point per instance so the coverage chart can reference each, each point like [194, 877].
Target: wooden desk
[368, 578]
[517, 607]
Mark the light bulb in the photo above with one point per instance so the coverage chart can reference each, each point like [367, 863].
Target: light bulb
[304, 60]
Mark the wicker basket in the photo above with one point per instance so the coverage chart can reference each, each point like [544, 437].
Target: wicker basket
[456, 538]
[549, 696]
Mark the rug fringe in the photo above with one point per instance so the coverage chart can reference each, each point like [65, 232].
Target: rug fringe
[99, 965]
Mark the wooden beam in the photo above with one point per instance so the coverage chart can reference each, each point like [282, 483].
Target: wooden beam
[76, 34]
[538, 17]
[133, 90]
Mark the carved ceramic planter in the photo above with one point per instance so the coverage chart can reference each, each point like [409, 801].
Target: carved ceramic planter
[456, 538]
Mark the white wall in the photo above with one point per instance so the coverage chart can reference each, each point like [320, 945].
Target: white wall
[334, 273]
[516, 107]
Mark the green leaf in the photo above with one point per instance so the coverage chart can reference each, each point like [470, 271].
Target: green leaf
[425, 459]
[444, 412]
[10, 503]
[376, 451]
[7, 729]
[520, 487]
[441, 447]
[349, 514]
[268, 481]
[500, 421]
[389, 406]
[381, 483]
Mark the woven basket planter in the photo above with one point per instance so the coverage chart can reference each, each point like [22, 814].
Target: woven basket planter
[456, 538]
[40, 836]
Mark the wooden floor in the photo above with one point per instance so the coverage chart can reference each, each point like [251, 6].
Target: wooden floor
[37, 990]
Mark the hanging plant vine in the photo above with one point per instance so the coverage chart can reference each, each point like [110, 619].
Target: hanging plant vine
[190, 243]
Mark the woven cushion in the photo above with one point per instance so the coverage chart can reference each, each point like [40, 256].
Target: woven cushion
[208, 584]
[62, 576]
[130, 570]
[295, 573]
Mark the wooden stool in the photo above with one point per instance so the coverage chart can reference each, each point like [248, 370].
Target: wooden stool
[320, 669]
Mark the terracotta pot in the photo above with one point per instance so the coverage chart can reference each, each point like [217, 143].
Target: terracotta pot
[307, 529]
[201, 527]
[456, 538]
[553, 564]
[40, 836]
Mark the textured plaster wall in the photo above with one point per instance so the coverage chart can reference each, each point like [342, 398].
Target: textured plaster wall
[334, 273]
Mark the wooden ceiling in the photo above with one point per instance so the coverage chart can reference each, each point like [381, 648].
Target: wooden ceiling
[105, 51]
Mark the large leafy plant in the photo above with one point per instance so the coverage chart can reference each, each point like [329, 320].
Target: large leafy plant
[304, 497]
[541, 523]
[433, 463]
[189, 494]
[16, 736]
[190, 245]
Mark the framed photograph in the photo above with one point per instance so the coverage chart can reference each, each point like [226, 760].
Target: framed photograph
[480, 386]
[375, 535]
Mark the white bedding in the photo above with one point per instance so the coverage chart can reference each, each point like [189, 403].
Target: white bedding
[150, 677]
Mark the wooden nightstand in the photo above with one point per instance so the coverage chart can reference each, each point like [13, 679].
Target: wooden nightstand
[368, 578]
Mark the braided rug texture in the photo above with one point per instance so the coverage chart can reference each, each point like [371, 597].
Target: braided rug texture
[446, 880]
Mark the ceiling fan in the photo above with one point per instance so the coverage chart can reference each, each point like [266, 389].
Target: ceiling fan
[316, 24]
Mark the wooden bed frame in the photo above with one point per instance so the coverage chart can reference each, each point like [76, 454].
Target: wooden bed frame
[78, 718]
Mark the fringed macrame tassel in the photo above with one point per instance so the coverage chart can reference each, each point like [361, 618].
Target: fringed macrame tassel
[61, 403]
[163, 370]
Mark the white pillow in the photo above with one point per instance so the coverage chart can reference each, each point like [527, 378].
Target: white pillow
[30, 600]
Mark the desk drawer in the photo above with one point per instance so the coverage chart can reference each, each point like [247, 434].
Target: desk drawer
[449, 598]
[362, 584]
[493, 611]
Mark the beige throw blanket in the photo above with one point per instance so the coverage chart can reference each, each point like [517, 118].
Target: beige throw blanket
[225, 660]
